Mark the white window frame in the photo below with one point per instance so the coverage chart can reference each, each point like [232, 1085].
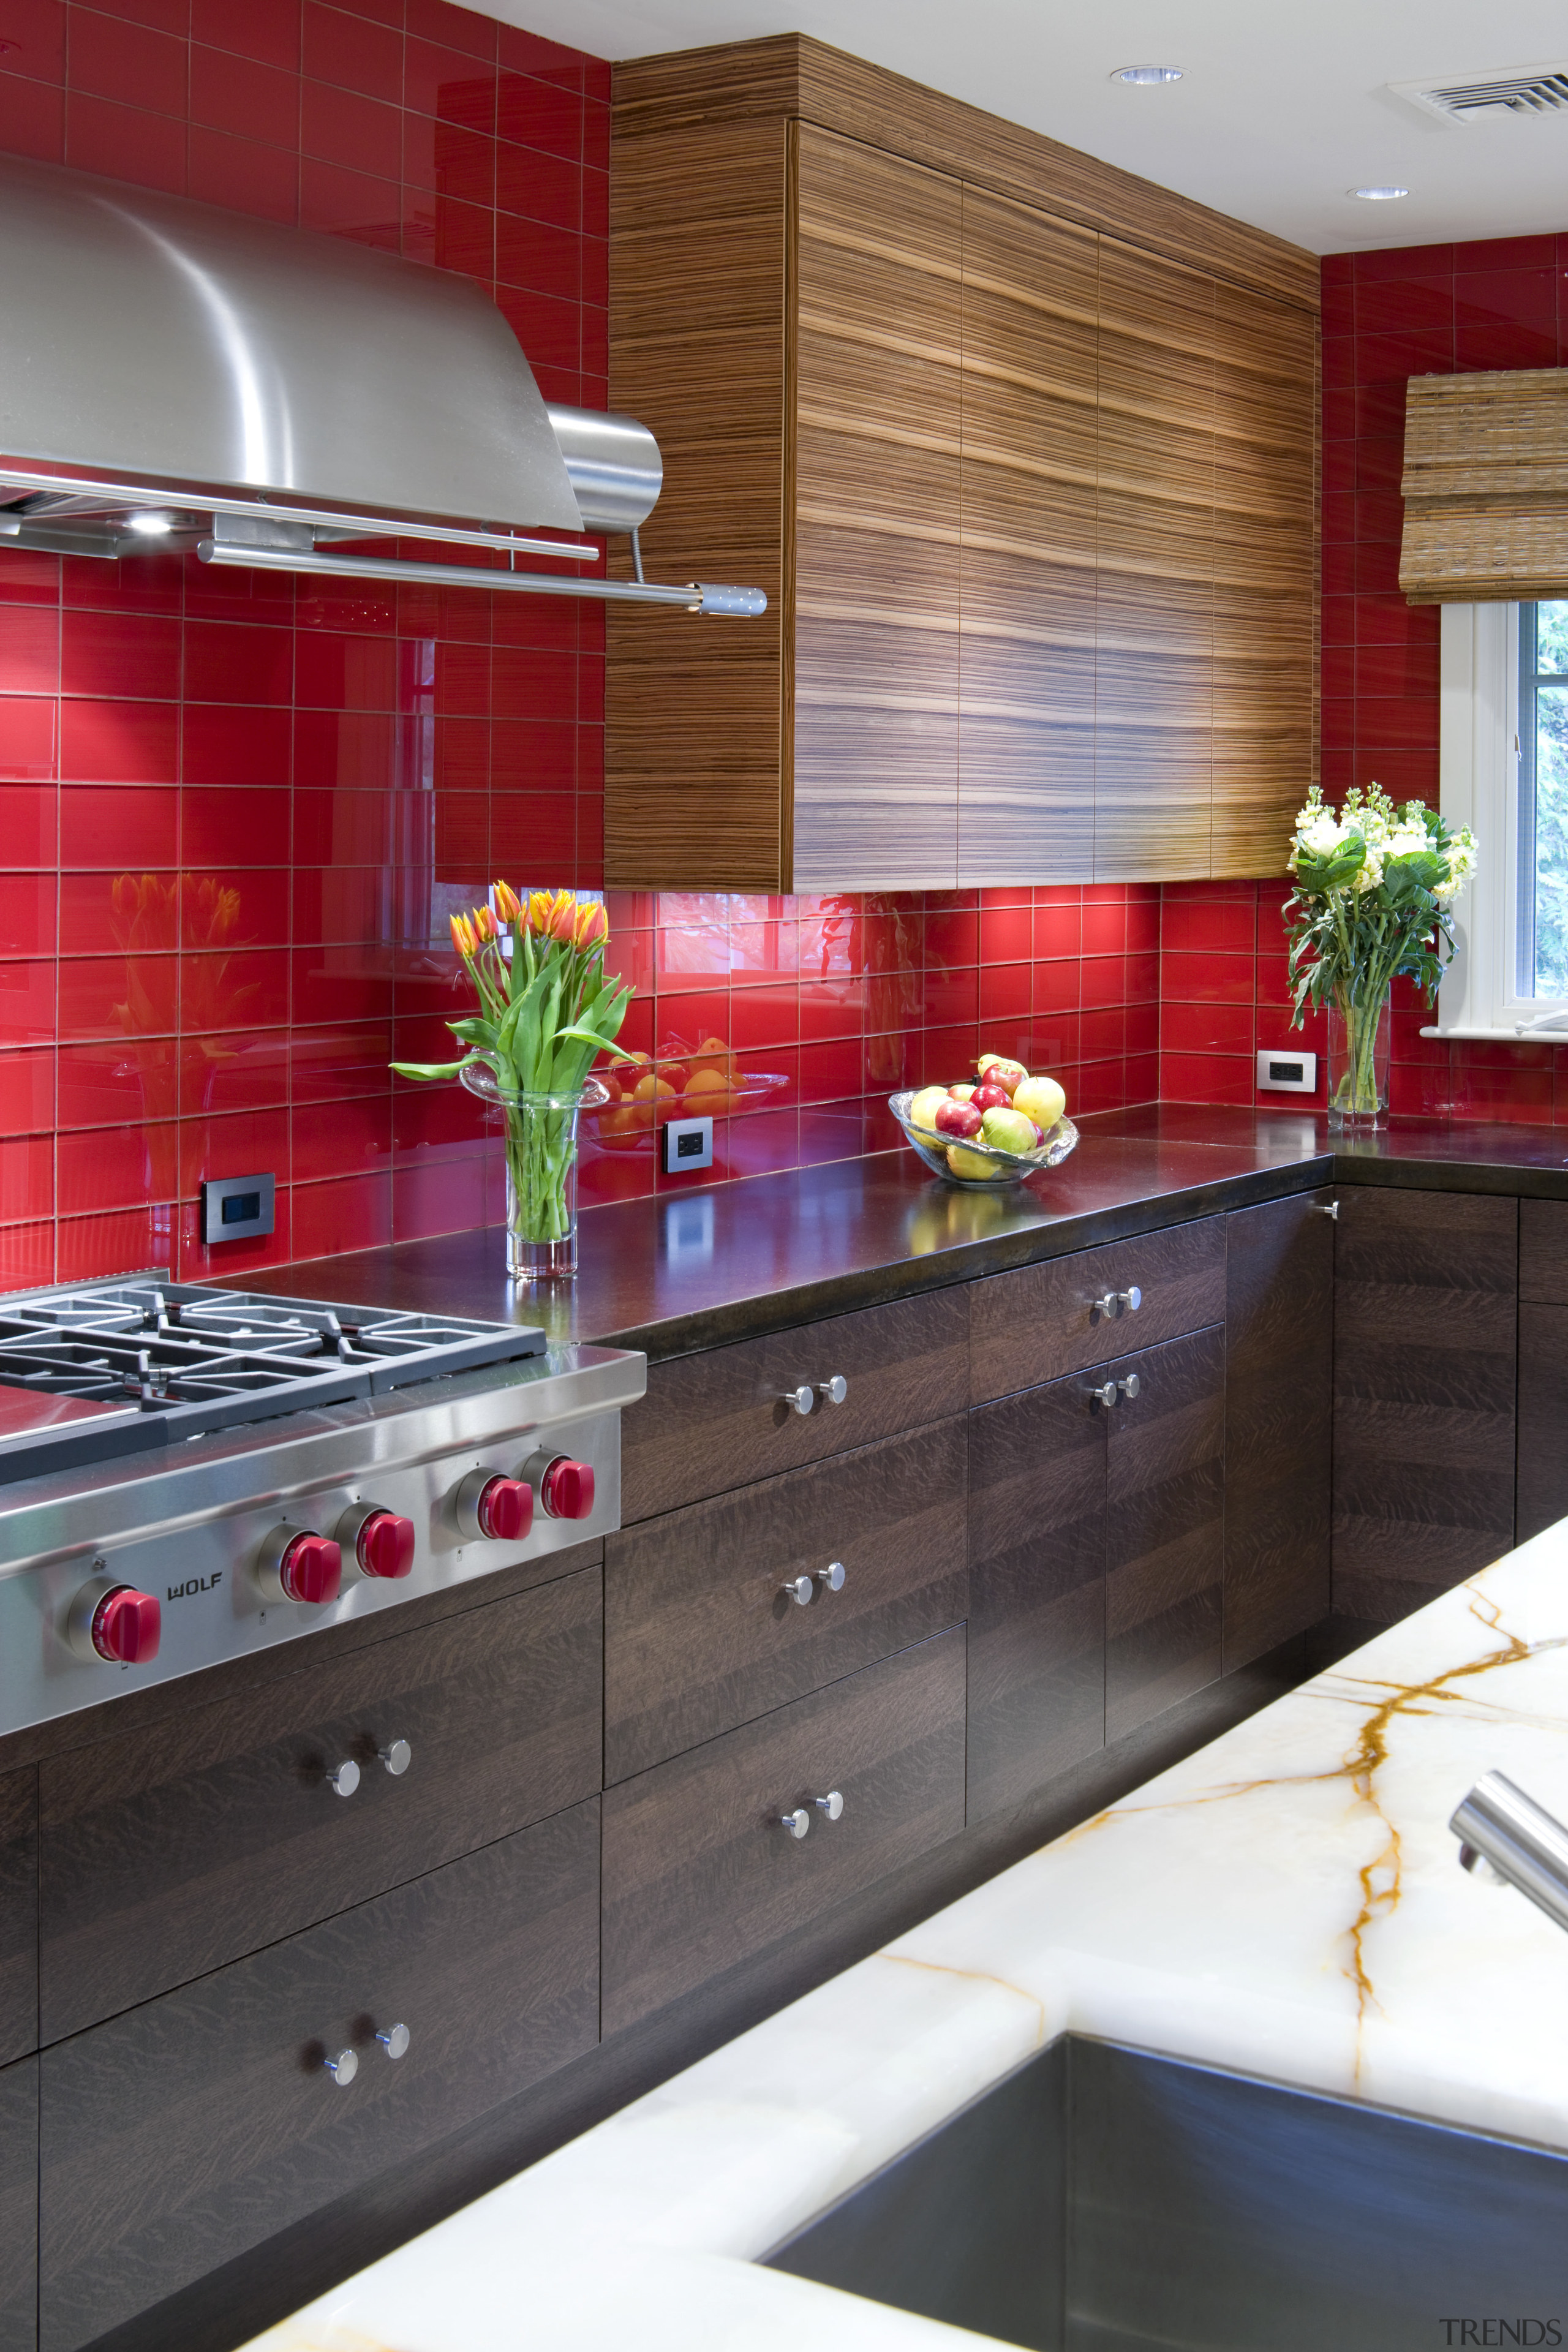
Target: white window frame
[1478, 786]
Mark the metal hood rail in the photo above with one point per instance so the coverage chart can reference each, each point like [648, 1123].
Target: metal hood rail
[175, 374]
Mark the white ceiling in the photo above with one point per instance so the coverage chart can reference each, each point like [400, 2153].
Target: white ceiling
[1283, 108]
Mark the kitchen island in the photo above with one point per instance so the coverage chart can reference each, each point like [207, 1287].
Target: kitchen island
[1287, 1902]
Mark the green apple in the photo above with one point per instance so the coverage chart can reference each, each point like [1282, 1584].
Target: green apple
[1010, 1130]
[962, 1094]
[1042, 1101]
[922, 1110]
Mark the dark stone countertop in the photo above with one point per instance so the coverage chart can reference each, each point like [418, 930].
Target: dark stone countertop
[689, 1269]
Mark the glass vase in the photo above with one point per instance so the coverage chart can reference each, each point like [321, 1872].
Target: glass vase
[540, 1174]
[1357, 1060]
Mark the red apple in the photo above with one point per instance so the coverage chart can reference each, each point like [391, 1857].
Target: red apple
[989, 1097]
[959, 1119]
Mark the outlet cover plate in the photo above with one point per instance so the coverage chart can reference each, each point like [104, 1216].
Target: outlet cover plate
[236, 1208]
[687, 1146]
[1281, 1070]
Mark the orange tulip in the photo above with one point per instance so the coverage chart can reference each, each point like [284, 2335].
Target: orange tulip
[508, 904]
[485, 924]
[592, 928]
[550, 913]
[463, 937]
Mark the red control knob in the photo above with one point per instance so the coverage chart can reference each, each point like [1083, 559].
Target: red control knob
[311, 1569]
[566, 1489]
[505, 1510]
[385, 1545]
[126, 1625]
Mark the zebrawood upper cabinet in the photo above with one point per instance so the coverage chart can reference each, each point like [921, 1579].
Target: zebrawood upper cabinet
[1023, 451]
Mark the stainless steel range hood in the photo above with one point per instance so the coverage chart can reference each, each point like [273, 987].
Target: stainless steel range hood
[175, 374]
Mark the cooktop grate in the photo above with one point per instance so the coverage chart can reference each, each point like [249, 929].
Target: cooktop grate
[204, 1359]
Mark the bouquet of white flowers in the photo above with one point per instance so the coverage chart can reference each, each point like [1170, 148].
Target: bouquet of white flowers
[1375, 890]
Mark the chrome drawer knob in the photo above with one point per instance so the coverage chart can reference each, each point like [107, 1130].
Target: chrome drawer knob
[343, 2065]
[802, 1399]
[835, 1391]
[797, 1823]
[1115, 1391]
[1131, 1385]
[800, 1589]
[345, 1778]
[1328, 1209]
[832, 1804]
[396, 1756]
[831, 1578]
[1118, 1302]
[395, 2041]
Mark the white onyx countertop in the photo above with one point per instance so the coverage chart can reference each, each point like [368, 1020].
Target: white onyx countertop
[1287, 1902]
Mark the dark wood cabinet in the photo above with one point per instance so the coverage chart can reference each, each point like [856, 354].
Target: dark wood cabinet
[1044, 1320]
[1165, 1528]
[19, 2206]
[698, 1871]
[201, 2124]
[1543, 1494]
[1279, 1420]
[173, 1850]
[720, 1420]
[19, 1914]
[702, 1635]
[1037, 1590]
[1425, 1334]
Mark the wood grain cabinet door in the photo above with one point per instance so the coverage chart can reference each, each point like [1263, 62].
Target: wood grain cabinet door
[718, 1420]
[196, 2127]
[1044, 1320]
[173, 1849]
[1279, 1420]
[703, 1626]
[19, 1914]
[1037, 1590]
[1425, 1328]
[19, 2206]
[1164, 1529]
[698, 1871]
[1543, 1365]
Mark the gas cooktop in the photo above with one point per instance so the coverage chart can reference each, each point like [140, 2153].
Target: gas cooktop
[110, 1368]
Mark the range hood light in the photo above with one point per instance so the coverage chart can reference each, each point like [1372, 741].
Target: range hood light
[149, 524]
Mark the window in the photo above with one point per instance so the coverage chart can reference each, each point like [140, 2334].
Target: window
[1505, 773]
[1540, 886]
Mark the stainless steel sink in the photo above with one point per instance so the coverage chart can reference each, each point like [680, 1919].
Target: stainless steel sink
[1102, 2199]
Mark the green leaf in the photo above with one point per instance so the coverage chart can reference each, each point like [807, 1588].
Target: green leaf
[427, 1069]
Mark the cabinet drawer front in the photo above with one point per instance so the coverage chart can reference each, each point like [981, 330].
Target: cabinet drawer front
[1543, 1252]
[175, 1849]
[18, 1914]
[1165, 1530]
[699, 1635]
[1037, 1590]
[718, 1420]
[175, 2137]
[1042, 1321]
[697, 1871]
[19, 2206]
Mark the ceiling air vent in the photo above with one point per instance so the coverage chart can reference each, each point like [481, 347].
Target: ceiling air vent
[1530, 89]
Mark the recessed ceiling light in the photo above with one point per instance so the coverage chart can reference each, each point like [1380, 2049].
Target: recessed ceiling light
[1378, 195]
[1143, 76]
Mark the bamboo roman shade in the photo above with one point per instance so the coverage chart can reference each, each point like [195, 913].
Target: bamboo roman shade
[1486, 488]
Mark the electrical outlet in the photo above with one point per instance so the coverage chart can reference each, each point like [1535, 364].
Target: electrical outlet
[1286, 1072]
[236, 1208]
[687, 1146]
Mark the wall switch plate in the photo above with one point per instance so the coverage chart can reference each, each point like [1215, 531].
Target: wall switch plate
[1286, 1072]
[687, 1146]
[237, 1208]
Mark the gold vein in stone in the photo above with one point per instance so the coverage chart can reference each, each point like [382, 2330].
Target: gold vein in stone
[1381, 1879]
[975, 1976]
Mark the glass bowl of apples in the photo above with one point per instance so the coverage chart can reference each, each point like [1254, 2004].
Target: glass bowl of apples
[990, 1131]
